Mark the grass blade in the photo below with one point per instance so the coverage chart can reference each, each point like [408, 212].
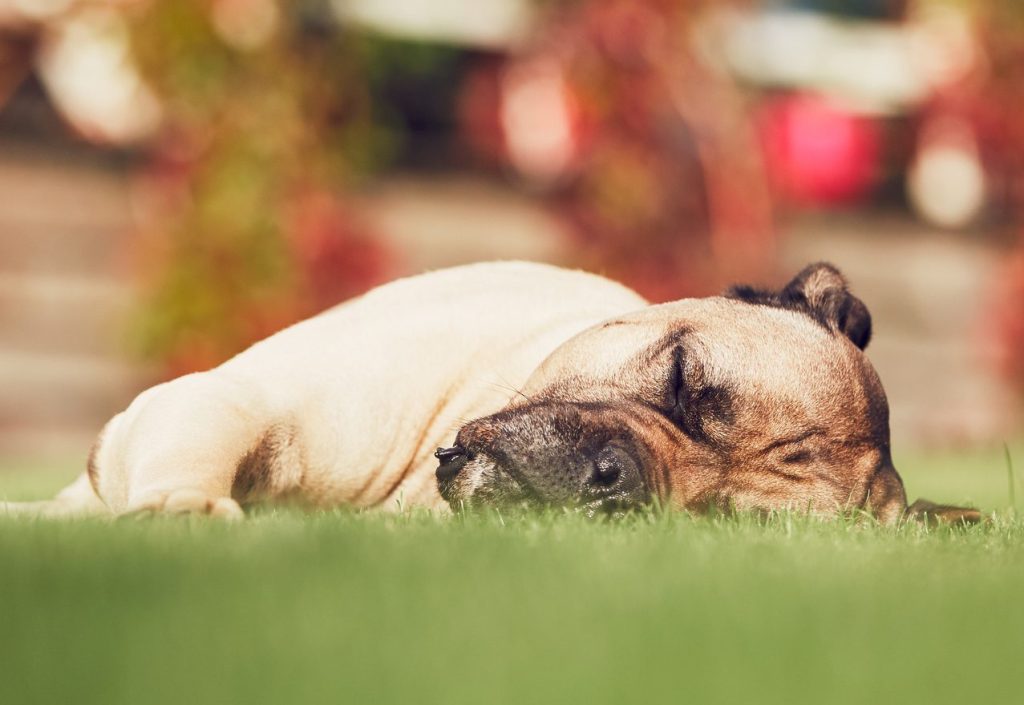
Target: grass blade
[1011, 482]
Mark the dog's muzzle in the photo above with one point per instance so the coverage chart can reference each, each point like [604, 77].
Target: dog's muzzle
[542, 456]
[450, 462]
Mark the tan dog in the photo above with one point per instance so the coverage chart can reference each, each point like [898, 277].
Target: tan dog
[582, 394]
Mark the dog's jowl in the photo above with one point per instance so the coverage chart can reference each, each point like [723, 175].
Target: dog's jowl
[515, 383]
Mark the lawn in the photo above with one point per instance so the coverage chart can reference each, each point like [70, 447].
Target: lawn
[341, 607]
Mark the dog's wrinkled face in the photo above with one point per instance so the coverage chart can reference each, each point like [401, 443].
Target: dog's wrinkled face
[755, 400]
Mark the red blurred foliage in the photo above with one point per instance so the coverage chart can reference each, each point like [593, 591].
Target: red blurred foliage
[248, 228]
[651, 157]
[329, 255]
[338, 255]
[999, 99]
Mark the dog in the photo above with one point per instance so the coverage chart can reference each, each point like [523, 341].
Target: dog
[536, 386]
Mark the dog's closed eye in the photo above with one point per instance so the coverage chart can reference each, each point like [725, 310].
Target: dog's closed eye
[797, 457]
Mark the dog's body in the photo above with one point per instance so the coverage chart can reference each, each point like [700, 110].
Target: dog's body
[563, 387]
[346, 407]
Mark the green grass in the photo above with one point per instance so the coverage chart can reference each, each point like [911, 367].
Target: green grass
[340, 607]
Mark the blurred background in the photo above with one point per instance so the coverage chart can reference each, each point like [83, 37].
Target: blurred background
[179, 178]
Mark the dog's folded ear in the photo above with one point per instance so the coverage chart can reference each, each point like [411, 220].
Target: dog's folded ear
[821, 292]
[824, 293]
[932, 513]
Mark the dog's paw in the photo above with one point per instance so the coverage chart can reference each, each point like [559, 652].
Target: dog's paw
[185, 502]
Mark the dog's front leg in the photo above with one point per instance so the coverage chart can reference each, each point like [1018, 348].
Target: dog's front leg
[176, 449]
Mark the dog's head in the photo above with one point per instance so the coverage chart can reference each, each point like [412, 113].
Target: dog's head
[754, 400]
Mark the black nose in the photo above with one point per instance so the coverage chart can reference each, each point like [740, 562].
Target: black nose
[451, 461]
[608, 466]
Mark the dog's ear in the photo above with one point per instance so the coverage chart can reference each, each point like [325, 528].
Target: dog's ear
[887, 500]
[821, 292]
[932, 513]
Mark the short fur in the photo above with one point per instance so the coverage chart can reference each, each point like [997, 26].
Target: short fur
[551, 386]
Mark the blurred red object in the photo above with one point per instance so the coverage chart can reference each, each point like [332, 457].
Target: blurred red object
[816, 153]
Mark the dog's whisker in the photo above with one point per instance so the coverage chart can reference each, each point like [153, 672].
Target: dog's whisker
[509, 387]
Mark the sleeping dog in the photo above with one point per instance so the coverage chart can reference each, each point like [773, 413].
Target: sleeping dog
[515, 383]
